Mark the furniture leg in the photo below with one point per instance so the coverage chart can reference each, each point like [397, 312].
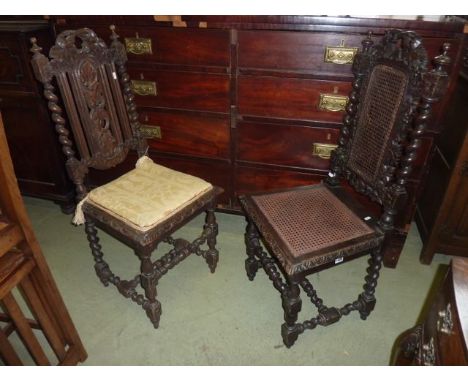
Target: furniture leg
[212, 255]
[252, 241]
[367, 299]
[292, 305]
[101, 267]
[148, 282]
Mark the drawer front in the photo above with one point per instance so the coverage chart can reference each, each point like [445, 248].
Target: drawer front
[251, 179]
[186, 133]
[291, 98]
[182, 90]
[286, 145]
[318, 53]
[174, 46]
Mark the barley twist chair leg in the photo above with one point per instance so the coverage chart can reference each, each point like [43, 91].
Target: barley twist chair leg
[292, 305]
[212, 255]
[148, 282]
[252, 241]
[101, 267]
[367, 299]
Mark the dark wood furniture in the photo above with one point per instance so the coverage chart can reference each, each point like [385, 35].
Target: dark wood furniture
[23, 268]
[442, 211]
[307, 229]
[442, 337]
[38, 161]
[255, 103]
[100, 109]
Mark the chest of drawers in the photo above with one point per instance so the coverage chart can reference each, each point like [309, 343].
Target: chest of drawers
[255, 103]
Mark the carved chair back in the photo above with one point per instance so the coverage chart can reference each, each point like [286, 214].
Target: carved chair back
[386, 114]
[98, 100]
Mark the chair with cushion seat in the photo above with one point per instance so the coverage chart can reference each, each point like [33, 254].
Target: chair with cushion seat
[311, 228]
[141, 208]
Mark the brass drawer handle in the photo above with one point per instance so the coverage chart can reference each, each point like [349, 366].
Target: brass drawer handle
[151, 131]
[445, 322]
[144, 88]
[340, 55]
[428, 353]
[138, 45]
[332, 102]
[323, 150]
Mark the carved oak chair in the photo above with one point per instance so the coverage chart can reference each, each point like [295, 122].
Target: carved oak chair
[307, 229]
[143, 207]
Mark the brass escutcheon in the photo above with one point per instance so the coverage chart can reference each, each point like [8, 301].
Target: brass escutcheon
[151, 131]
[138, 45]
[144, 88]
[340, 55]
[323, 150]
[332, 102]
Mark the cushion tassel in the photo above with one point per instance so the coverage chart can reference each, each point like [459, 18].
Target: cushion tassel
[142, 160]
[79, 217]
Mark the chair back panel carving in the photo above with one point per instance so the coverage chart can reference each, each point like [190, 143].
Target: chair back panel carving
[97, 95]
[376, 122]
[86, 76]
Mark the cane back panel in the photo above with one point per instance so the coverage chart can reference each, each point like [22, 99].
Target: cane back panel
[376, 122]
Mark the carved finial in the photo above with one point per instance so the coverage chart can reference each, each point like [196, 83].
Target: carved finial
[35, 48]
[436, 81]
[367, 42]
[443, 59]
[114, 35]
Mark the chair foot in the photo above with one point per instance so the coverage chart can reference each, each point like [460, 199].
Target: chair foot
[251, 267]
[289, 334]
[366, 305]
[153, 311]
[212, 258]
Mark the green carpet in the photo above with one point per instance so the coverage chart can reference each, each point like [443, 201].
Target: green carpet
[222, 318]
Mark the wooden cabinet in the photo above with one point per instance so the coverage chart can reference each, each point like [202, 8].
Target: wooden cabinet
[37, 158]
[442, 211]
[442, 337]
[256, 102]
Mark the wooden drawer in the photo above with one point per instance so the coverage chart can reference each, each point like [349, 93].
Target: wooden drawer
[183, 90]
[298, 51]
[186, 133]
[174, 46]
[286, 145]
[288, 97]
[252, 179]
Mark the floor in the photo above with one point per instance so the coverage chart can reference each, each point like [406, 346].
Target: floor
[222, 318]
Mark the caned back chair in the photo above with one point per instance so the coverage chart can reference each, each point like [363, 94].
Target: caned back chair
[143, 207]
[311, 228]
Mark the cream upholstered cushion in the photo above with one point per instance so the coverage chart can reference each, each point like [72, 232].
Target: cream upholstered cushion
[148, 194]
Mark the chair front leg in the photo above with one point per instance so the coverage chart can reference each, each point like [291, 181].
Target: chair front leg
[252, 241]
[212, 255]
[148, 282]
[367, 299]
[101, 267]
[292, 305]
